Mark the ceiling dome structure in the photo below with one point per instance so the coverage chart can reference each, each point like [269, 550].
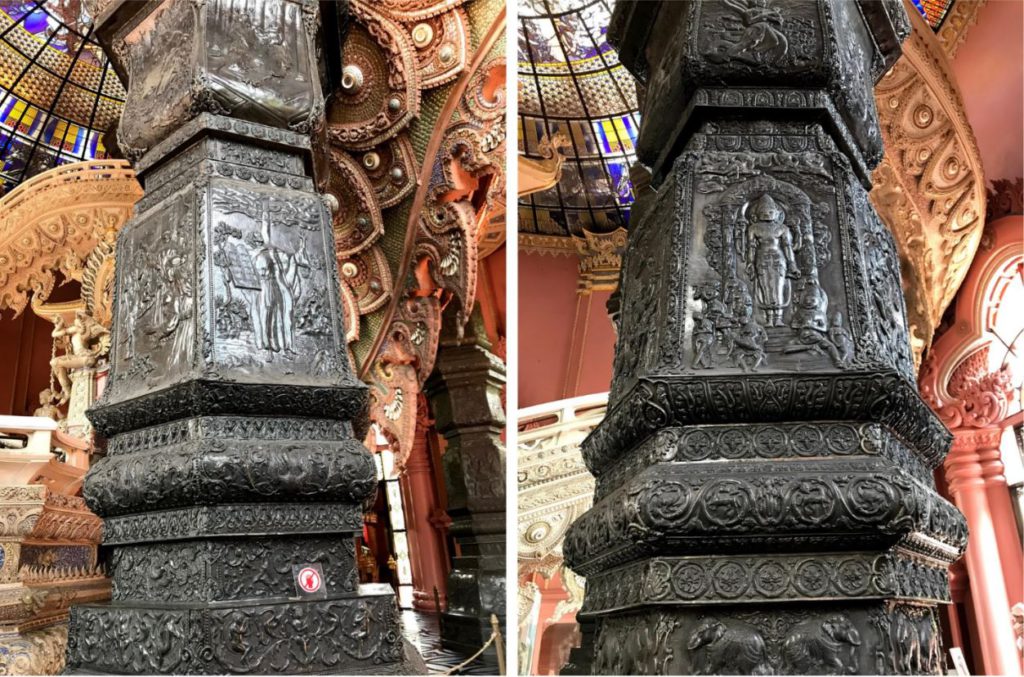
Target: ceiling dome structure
[572, 86]
[575, 95]
[58, 92]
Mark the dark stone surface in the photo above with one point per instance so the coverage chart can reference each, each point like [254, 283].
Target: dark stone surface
[764, 500]
[465, 396]
[232, 457]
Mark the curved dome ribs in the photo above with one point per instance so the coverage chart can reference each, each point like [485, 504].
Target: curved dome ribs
[57, 92]
[573, 86]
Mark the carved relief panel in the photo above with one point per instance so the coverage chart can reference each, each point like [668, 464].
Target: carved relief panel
[269, 260]
[251, 61]
[154, 339]
[903, 640]
[785, 265]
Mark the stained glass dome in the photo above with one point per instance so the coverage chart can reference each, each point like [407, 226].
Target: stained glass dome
[58, 93]
[571, 83]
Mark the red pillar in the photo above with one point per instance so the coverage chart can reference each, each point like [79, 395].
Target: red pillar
[428, 555]
[970, 476]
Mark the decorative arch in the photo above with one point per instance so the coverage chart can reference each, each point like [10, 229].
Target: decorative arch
[56, 222]
[960, 353]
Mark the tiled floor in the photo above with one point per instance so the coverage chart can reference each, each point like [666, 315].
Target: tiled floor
[423, 631]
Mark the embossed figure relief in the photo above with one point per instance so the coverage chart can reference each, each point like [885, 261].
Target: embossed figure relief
[156, 296]
[268, 266]
[757, 33]
[766, 242]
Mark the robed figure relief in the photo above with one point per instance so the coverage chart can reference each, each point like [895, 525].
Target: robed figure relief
[280, 286]
[769, 258]
[765, 297]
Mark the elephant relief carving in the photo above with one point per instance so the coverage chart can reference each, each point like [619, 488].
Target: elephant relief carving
[728, 648]
[816, 648]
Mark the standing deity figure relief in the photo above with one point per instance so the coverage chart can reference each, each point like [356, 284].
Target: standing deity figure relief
[769, 258]
[84, 344]
[280, 288]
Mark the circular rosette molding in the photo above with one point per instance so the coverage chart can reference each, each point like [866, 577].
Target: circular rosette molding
[442, 46]
[368, 276]
[391, 169]
[380, 87]
[357, 223]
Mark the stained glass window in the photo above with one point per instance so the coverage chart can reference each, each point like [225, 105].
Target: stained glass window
[571, 83]
[933, 11]
[58, 92]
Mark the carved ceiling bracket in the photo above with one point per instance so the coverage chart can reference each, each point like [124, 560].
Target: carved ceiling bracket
[929, 188]
[600, 259]
[398, 54]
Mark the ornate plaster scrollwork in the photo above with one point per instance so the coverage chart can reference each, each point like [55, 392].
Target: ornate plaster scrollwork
[554, 489]
[53, 222]
[960, 16]
[929, 189]
[975, 396]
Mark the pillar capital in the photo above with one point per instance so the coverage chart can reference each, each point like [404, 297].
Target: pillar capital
[600, 256]
[698, 60]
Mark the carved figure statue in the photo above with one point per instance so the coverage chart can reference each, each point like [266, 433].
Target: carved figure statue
[84, 342]
[173, 313]
[842, 342]
[703, 342]
[718, 649]
[749, 343]
[822, 648]
[752, 36]
[811, 310]
[769, 258]
[280, 288]
[47, 408]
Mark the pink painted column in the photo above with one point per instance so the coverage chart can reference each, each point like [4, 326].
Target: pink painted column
[1001, 506]
[427, 553]
[551, 593]
[966, 473]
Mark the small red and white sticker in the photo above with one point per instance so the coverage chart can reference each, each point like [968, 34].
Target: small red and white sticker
[309, 580]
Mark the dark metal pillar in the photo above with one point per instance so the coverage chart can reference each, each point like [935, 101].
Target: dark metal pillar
[465, 396]
[764, 499]
[233, 481]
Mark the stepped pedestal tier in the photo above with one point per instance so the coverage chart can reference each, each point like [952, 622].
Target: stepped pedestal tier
[234, 479]
[764, 500]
